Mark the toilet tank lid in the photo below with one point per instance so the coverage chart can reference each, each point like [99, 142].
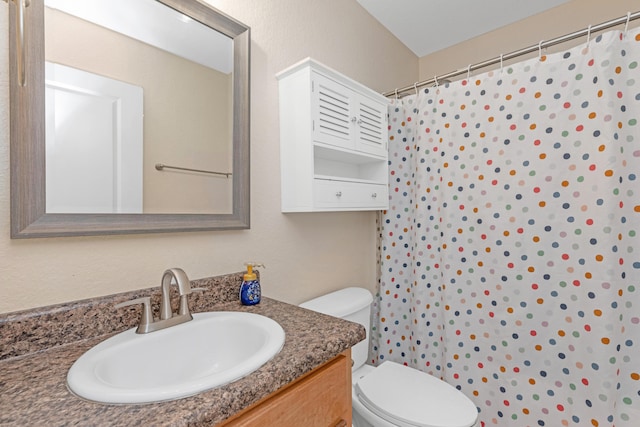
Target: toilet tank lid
[340, 303]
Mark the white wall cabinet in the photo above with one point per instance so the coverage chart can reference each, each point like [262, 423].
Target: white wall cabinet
[333, 141]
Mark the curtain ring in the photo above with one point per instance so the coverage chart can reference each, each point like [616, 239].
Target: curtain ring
[501, 63]
[435, 79]
[415, 87]
[540, 50]
[468, 73]
[396, 94]
[588, 35]
[626, 25]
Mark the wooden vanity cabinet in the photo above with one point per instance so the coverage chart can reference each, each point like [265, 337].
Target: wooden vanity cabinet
[320, 398]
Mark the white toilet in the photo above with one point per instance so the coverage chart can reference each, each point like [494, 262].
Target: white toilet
[391, 394]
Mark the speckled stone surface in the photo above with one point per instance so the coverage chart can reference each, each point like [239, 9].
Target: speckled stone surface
[37, 348]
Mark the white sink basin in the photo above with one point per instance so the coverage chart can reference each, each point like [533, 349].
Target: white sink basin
[213, 349]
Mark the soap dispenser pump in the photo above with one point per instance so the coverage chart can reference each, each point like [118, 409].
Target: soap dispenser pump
[250, 292]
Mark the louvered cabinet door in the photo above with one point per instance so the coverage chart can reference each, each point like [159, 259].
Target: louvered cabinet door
[332, 112]
[371, 126]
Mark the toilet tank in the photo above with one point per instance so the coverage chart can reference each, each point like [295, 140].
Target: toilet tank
[353, 304]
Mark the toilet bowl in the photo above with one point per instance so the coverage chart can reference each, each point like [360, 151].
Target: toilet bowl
[391, 394]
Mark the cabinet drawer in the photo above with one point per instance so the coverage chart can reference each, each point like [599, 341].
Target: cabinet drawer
[344, 194]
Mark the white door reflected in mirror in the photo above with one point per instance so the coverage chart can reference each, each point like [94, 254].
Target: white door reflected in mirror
[94, 140]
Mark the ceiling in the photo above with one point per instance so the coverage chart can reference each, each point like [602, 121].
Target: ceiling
[426, 26]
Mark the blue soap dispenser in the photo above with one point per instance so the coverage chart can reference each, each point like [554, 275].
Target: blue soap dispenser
[250, 289]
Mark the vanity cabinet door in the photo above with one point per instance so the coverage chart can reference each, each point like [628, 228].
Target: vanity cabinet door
[320, 398]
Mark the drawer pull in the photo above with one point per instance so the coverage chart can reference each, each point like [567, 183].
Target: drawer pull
[338, 193]
[374, 195]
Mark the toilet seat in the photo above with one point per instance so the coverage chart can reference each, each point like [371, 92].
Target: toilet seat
[410, 398]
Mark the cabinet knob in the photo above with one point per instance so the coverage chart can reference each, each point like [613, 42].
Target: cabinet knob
[354, 119]
[374, 195]
[338, 193]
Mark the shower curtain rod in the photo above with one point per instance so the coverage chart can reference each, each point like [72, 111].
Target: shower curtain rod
[538, 47]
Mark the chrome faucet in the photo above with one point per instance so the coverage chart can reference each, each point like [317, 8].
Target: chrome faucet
[167, 317]
[184, 289]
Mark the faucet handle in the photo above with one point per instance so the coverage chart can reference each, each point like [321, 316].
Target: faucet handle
[145, 318]
[198, 289]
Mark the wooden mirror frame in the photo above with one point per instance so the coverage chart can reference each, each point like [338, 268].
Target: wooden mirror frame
[27, 142]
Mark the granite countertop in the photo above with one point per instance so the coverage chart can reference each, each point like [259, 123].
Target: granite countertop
[38, 347]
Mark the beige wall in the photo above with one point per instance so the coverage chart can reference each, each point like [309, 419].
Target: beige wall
[567, 18]
[306, 254]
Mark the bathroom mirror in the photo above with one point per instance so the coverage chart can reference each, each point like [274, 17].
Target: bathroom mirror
[186, 170]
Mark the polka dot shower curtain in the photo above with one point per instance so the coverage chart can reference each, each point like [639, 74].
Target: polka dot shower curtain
[510, 256]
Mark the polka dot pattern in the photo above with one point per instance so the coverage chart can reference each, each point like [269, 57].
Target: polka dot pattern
[510, 259]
